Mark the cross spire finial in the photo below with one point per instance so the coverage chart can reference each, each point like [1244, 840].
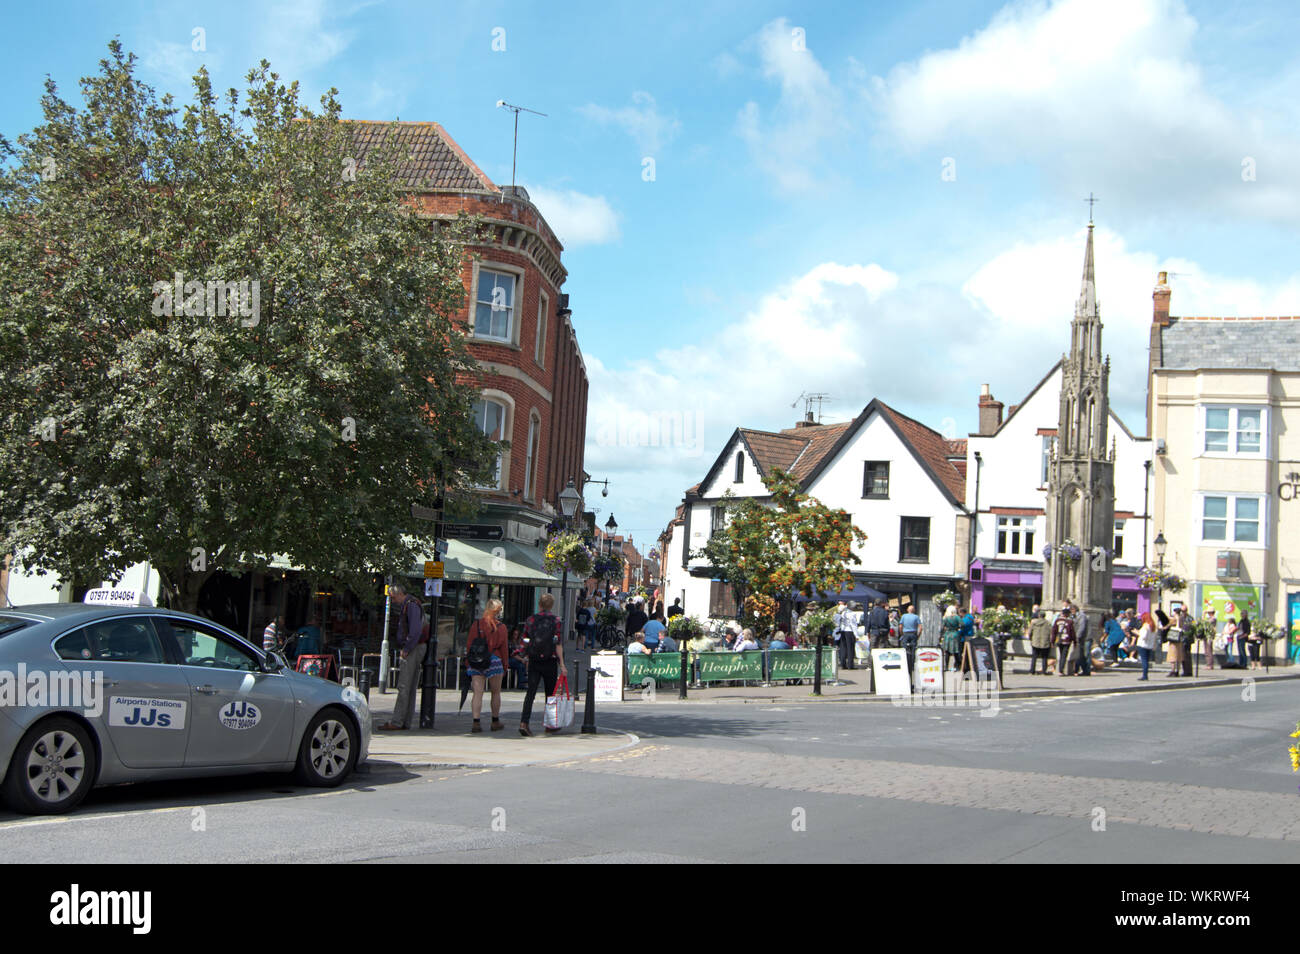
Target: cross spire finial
[1091, 200]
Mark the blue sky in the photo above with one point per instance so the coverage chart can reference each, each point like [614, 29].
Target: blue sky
[848, 198]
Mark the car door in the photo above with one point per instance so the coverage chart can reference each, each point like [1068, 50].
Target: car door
[240, 714]
[145, 698]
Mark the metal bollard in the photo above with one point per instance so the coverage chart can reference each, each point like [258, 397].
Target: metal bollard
[577, 677]
[681, 681]
[589, 711]
[363, 681]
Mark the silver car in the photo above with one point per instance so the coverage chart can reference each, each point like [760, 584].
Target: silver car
[97, 695]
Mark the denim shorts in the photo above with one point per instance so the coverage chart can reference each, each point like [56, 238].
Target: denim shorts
[494, 668]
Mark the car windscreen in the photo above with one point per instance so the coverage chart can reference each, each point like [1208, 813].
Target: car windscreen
[11, 624]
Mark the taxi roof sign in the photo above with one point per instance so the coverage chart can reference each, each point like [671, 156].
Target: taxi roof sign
[111, 596]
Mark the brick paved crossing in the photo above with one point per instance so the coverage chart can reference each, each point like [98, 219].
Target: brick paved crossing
[1170, 805]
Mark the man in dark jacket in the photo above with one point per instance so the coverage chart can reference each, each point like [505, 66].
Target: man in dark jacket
[1082, 640]
[411, 644]
[636, 618]
[878, 625]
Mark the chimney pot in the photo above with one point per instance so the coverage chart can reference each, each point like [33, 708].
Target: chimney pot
[1160, 298]
[990, 412]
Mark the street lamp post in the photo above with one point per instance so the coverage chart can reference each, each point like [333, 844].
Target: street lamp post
[569, 500]
[610, 526]
[1160, 544]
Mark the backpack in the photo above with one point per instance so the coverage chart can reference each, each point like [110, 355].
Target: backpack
[478, 657]
[541, 644]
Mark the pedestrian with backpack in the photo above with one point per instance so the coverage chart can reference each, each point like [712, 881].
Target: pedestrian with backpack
[545, 656]
[413, 642]
[485, 662]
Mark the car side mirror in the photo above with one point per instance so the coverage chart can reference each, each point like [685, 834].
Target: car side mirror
[274, 662]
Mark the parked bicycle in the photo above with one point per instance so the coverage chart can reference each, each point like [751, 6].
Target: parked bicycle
[609, 636]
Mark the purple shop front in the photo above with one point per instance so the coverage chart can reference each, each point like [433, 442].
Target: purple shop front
[983, 576]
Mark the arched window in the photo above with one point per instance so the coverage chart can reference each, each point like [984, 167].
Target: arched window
[740, 466]
[492, 416]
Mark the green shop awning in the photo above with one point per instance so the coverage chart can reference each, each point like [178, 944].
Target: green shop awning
[474, 561]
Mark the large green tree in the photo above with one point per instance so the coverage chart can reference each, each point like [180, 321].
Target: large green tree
[300, 420]
[790, 543]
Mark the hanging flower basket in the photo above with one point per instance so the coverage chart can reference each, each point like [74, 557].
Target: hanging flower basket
[1149, 579]
[945, 599]
[683, 628]
[818, 622]
[567, 550]
[1071, 552]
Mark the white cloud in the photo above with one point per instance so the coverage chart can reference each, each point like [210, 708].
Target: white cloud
[788, 141]
[1029, 292]
[576, 218]
[298, 36]
[177, 63]
[1098, 94]
[642, 121]
[726, 65]
[655, 424]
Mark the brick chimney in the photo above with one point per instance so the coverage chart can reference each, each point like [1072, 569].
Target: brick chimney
[1160, 296]
[807, 421]
[1156, 346]
[990, 412]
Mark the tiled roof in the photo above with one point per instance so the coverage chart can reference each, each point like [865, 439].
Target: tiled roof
[1246, 343]
[425, 157]
[772, 450]
[933, 448]
[819, 441]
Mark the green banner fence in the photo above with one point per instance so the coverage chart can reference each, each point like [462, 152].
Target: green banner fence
[665, 668]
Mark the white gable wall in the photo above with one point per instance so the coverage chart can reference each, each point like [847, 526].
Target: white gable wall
[1011, 473]
[912, 493]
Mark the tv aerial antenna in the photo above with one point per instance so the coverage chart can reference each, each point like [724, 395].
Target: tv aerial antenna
[809, 398]
[514, 152]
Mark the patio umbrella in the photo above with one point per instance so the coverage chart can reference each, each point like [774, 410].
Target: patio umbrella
[858, 591]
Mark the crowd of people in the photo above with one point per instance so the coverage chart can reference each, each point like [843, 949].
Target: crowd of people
[1129, 634]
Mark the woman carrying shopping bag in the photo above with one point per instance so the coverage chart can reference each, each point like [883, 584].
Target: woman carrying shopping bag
[559, 707]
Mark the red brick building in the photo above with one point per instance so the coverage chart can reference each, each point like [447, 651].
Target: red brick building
[532, 381]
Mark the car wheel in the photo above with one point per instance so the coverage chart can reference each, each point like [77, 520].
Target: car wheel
[329, 749]
[52, 770]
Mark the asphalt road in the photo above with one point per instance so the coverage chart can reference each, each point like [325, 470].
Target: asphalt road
[1191, 775]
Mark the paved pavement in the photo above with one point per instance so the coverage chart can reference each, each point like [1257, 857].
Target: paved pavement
[1186, 776]
[450, 743]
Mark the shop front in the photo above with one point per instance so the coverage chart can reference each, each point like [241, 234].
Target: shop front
[901, 589]
[1018, 585]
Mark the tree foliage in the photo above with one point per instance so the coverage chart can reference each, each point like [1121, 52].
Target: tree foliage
[794, 544]
[141, 428]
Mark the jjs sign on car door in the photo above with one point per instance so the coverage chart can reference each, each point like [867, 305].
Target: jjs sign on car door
[146, 713]
[240, 715]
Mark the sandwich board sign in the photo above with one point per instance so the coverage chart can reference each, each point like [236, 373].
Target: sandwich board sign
[609, 676]
[979, 657]
[889, 671]
[929, 670]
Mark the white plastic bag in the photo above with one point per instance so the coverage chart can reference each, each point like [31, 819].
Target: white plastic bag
[559, 707]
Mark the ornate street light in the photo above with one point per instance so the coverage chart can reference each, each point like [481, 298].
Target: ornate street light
[1161, 544]
[569, 500]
